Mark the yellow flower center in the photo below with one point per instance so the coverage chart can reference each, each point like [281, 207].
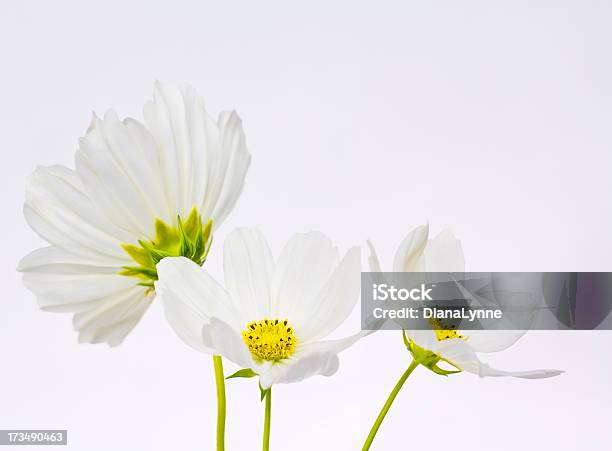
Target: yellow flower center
[445, 332]
[269, 339]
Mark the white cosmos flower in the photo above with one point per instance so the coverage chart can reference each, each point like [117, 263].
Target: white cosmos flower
[272, 315]
[109, 221]
[443, 253]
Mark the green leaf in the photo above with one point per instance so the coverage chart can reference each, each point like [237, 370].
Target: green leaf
[246, 373]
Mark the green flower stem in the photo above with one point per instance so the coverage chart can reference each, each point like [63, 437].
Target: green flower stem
[266, 433]
[387, 406]
[220, 381]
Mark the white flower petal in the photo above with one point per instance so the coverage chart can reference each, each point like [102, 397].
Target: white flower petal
[66, 293]
[493, 340]
[409, 255]
[487, 371]
[424, 338]
[226, 341]
[303, 268]
[373, 259]
[58, 209]
[335, 301]
[290, 371]
[248, 267]
[229, 173]
[64, 282]
[165, 117]
[444, 253]
[460, 353]
[118, 166]
[186, 321]
[111, 321]
[374, 264]
[204, 162]
[54, 260]
[191, 297]
[146, 169]
[335, 346]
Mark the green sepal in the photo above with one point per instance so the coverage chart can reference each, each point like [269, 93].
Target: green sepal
[263, 392]
[427, 358]
[442, 372]
[207, 239]
[138, 254]
[146, 284]
[193, 222]
[158, 255]
[407, 342]
[246, 373]
[166, 237]
[139, 271]
[191, 238]
[207, 231]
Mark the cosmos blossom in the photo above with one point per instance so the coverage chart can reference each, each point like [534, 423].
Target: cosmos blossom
[140, 192]
[272, 316]
[444, 351]
[444, 253]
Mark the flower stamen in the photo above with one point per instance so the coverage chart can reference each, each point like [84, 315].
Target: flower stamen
[443, 331]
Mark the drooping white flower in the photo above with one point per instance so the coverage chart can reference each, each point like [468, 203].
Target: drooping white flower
[140, 192]
[444, 253]
[272, 315]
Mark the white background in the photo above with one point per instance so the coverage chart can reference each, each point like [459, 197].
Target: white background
[364, 119]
